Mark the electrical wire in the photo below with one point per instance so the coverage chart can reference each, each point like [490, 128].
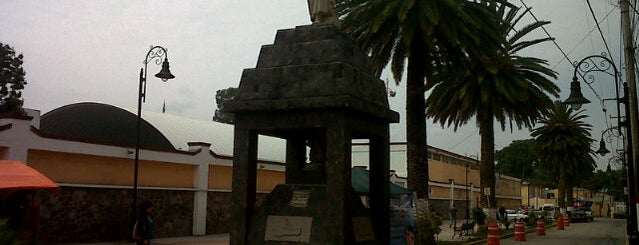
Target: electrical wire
[582, 40]
[634, 6]
[598, 27]
[548, 34]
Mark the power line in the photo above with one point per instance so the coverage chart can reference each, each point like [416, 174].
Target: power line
[548, 34]
[583, 39]
[634, 6]
[598, 27]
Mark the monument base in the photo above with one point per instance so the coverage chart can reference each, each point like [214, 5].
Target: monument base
[303, 214]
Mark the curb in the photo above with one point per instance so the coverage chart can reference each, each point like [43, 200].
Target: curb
[531, 230]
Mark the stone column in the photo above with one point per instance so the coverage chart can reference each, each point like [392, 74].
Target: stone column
[338, 178]
[379, 185]
[244, 181]
[295, 159]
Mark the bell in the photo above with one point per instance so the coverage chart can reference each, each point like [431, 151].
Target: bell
[165, 73]
[576, 99]
[602, 148]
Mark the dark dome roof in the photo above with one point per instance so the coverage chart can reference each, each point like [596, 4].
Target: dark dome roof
[102, 123]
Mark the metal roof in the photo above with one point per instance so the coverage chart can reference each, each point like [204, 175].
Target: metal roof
[180, 131]
[103, 123]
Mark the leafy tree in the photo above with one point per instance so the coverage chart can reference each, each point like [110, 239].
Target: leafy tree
[505, 87]
[563, 141]
[11, 80]
[222, 97]
[517, 159]
[425, 35]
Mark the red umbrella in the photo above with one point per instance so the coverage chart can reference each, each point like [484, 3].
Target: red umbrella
[16, 175]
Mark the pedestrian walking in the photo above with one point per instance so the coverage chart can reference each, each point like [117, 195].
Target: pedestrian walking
[143, 228]
[502, 214]
[453, 216]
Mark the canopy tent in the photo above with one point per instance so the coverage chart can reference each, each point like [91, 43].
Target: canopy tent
[360, 179]
[16, 175]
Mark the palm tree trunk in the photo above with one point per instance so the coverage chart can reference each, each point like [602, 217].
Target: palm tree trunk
[487, 167]
[417, 148]
[569, 193]
[561, 189]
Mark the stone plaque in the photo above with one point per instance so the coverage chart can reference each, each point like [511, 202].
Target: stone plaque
[363, 229]
[288, 228]
[300, 199]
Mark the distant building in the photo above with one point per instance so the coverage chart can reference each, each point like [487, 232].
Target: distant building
[453, 178]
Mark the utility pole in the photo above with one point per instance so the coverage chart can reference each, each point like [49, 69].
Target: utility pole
[629, 53]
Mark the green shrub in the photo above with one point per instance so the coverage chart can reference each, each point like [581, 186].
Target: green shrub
[8, 236]
[427, 227]
[479, 216]
[532, 219]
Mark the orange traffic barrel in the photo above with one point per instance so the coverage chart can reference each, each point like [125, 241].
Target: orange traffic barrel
[493, 234]
[520, 231]
[566, 221]
[541, 227]
[560, 223]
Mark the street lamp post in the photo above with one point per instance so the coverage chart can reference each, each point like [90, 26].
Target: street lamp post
[600, 63]
[156, 53]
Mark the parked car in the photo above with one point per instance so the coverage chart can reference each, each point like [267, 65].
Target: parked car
[619, 210]
[511, 214]
[522, 216]
[548, 212]
[581, 211]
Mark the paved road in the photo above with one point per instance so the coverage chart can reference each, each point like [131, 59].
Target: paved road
[602, 231]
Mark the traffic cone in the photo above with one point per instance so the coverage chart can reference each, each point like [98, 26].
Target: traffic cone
[520, 231]
[541, 227]
[493, 234]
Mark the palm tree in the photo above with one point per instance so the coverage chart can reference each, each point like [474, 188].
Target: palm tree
[563, 140]
[428, 34]
[505, 87]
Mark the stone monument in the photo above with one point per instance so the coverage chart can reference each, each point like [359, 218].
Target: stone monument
[316, 90]
[322, 12]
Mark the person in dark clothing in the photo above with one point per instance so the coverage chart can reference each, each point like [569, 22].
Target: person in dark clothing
[453, 216]
[502, 213]
[143, 228]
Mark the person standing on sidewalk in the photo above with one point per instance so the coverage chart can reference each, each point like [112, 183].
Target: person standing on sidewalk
[143, 228]
[453, 216]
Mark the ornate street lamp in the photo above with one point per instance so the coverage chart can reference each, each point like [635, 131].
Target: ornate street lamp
[156, 53]
[602, 144]
[601, 63]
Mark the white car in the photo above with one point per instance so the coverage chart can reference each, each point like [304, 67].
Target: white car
[522, 215]
[511, 214]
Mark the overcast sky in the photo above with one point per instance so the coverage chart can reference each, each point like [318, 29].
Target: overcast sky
[79, 51]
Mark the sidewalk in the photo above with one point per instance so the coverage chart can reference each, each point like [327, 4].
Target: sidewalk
[447, 232]
[218, 239]
[223, 239]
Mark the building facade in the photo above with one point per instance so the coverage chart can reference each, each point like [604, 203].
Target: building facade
[88, 149]
[454, 179]
[189, 184]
